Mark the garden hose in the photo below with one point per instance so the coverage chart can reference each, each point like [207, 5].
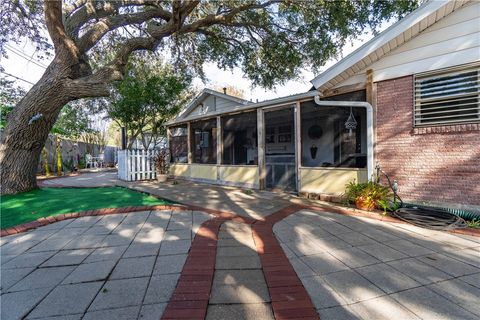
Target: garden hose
[428, 217]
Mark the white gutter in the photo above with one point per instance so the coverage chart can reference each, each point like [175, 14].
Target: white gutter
[357, 104]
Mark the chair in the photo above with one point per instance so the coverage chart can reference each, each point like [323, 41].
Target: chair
[101, 160]
[90, 161]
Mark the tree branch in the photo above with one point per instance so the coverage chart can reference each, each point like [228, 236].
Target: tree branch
[105, 25]
[61, 41]
[224, 19]
[89, 12]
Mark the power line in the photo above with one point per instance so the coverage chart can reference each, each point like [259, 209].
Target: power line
[25, 56]
[11, 75]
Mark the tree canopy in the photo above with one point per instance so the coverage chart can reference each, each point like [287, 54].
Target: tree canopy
[270, 40]
[92, 40]
[150, 94]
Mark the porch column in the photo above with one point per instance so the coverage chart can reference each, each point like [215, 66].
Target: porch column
[261, 148]
[219, 141]
[298, 143]
[219, 145]
[169, 137]
[189, 143]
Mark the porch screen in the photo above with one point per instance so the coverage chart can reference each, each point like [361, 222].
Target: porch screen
[326, 142]
[178, 144]
[240, 139]
[205, 141]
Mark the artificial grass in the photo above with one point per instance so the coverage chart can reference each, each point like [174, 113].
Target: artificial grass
[29, 206]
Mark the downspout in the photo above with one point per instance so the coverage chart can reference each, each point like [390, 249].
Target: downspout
[368, 107]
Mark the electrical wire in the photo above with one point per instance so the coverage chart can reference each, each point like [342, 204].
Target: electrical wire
[23, 55]
[11, 75]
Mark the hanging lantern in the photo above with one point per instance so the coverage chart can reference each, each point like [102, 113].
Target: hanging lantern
[351, 123]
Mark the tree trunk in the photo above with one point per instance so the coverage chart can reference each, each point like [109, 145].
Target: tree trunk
[26, 132]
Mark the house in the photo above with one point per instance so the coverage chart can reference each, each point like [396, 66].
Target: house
[407, 100]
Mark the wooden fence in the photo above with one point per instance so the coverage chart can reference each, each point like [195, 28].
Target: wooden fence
[135, 165]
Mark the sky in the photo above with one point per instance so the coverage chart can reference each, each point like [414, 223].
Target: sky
[22, 64]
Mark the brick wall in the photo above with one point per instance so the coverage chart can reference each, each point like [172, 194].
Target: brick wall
[436, 164]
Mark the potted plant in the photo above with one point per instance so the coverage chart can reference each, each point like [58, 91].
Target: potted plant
[162, 164]
[368, 195]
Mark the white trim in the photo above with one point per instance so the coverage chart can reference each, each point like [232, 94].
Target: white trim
[249, 107]
[202, 96]
[357, 104]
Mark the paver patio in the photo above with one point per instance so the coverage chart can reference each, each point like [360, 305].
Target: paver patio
[143, 265]
[412, 273]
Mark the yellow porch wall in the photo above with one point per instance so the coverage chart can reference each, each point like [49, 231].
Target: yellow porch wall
[331, 180]
[203, 171]
[180, 170]
[239, 174]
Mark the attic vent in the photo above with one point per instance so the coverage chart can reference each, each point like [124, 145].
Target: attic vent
[447, 97]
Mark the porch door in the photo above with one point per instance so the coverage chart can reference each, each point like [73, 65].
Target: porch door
[280, 149]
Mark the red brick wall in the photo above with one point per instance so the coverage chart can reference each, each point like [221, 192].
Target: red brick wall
[436, 164]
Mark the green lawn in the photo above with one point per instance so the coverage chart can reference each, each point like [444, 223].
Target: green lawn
[29, 206]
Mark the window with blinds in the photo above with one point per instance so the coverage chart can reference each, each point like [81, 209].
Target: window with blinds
[448, 97]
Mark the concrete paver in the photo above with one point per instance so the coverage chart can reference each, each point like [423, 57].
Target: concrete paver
[16, 305]
[239, 289]
[389, 271]
[113, 314]
[43, 278]
[96, 268]
[128, 265]
[67, 299]
[133, 267]
[161, 288]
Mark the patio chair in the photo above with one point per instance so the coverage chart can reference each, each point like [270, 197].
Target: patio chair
[101, 160]
[90, 161]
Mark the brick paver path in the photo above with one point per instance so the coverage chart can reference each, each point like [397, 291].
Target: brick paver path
[296, 263]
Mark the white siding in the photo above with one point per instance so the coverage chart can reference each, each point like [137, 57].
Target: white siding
[212, 104]
[452, 41]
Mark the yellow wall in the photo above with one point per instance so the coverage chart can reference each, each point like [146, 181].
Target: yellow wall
[203, 171]
[180, 170]
[329, 180]
[239, 174]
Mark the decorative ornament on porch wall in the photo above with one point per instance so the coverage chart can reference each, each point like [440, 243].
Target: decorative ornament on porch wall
[351, 123]
[313, 151]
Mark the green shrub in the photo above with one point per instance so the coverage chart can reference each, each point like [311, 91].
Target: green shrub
[371, 193]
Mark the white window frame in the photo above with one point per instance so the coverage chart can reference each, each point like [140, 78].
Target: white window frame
[443, 119]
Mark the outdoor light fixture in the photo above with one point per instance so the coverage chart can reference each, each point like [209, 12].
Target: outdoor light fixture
[351, 123]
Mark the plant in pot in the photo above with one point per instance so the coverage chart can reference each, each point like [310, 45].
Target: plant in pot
[368, 195]
[162, 165]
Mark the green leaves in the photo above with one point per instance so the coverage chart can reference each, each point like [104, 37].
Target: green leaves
[150, 94]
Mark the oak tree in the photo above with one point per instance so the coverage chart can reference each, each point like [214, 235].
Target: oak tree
[269, 40]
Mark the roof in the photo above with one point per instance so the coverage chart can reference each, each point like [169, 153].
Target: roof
[405, 29]
[249, 107]
[203, 95]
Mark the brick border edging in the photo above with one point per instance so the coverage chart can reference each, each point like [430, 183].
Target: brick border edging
[192, 292]
[97, 212]
[290, 299]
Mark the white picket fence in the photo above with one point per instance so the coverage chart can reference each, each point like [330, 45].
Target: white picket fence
[135, 165]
